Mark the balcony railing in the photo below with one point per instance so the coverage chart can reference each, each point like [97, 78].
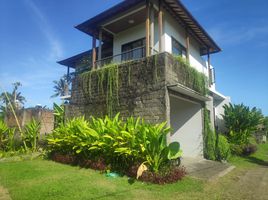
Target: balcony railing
[134, 54]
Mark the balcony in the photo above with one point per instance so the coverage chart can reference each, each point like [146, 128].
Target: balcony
[130, 55]
[127, 56]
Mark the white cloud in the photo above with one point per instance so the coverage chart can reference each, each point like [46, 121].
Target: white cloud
[56, 50]
[237, 35]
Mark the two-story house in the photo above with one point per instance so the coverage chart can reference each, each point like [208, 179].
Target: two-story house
[141, 39]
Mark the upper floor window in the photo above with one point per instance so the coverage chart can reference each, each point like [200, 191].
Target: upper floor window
[133, 50]
[177, 48]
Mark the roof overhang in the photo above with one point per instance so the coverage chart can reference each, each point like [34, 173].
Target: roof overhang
[217, 95]
[72, 61]
[186, 19]
[188, 92]
[127, 8]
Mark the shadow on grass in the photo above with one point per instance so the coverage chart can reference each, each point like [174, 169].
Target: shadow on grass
[257, 161]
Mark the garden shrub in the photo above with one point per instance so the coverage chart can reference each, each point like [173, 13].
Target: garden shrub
[58, 114]
[28, 139]
[31, 134]
[241, 122]
[249, 149]
[114, 143]
[223, 148]
[167, 175]
[7, 139]
[243, 149]
[236, 149]
[209, 138]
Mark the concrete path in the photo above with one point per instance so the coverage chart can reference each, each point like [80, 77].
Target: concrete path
[252, 184]
[4, 194]
[205, 169]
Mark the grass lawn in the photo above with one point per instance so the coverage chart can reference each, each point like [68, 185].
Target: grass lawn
[41, 179]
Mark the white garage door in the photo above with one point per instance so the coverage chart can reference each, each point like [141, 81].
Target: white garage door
[186, 122]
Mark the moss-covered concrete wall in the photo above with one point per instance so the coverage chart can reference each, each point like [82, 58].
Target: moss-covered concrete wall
[140, 89]
[140, 92]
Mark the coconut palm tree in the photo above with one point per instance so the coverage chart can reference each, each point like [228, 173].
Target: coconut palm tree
[14, 98]
[61, 87]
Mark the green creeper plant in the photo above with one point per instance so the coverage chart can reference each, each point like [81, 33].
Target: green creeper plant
[191, 77]
[107, 82]
[209, 138]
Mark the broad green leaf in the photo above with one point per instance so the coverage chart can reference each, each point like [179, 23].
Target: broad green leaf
[174, 151]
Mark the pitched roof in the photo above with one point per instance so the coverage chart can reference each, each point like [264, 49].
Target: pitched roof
[72, 61]
[175, 7]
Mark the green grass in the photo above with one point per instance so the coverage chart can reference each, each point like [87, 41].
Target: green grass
[43, 179]
[260, 157]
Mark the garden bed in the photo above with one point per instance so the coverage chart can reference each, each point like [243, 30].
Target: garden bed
[170, 174]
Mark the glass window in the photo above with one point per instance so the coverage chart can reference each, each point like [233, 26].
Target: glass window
[177, 48]
[133, 50]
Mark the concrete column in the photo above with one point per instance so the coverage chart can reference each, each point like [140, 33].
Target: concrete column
[147, 28]
[100, 44]
[152, 30]
[93, 52]
[187, 46]
[209, 72]
[160, 26]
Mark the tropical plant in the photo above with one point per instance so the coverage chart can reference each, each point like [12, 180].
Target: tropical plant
[155, 148]
[58, 114]
[31, 134]
[241, 121]
[6, 137]
[223, 148]
[61, 87]
[3, 134]
[120, 144]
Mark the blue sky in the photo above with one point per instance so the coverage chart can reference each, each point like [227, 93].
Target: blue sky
[34, 34]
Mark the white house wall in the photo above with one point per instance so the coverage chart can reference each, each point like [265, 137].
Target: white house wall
[219, 111]
[186, 122]
[173, 29]
[127, 36]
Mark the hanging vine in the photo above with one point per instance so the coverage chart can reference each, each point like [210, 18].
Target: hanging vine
[191, 77]
[107, 84]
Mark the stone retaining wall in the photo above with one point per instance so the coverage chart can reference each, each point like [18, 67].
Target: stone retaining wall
[142, 90]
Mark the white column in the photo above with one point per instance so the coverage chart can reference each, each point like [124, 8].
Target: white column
[152, 30]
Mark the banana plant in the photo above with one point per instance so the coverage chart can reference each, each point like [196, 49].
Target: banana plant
[58, 114]
[156, 150]
[32, 133]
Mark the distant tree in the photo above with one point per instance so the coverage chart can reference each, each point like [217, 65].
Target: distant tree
[265, 124]
[61, 87]
[14, 98]
[241, 122]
